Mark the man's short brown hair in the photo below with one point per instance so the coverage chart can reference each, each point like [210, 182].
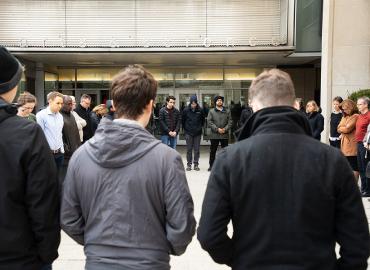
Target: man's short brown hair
[273, 87]
[131, 91]
[53, 95]
[26, 97]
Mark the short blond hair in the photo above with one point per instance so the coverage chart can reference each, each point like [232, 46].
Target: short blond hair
[314, 104]
[272, 87]
[53, 95]
[100, 109]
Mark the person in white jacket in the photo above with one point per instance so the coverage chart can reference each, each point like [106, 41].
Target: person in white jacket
[81, 123]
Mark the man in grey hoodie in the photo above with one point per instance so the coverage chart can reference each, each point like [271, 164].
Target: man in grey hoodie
[125, 196]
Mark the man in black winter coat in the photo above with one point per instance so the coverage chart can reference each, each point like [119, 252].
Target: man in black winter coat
[84, 111]
[29, 201]
[246, 113]
[192, 122]
[170, 121]
[290, 198]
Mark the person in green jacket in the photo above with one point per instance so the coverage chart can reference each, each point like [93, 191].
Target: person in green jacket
[26, 102]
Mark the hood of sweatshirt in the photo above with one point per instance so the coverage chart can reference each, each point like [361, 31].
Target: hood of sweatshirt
[119, 143]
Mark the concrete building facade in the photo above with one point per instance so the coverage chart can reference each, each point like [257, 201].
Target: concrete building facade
[345, 50]
[202, 47]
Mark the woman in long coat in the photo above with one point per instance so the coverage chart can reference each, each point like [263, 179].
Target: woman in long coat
[347, 128]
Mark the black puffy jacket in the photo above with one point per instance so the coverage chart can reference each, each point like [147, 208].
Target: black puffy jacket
[192, 120]
[165, 121]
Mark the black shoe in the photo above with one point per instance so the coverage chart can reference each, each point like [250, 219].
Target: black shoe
[188, 168]
[365, 195]
[209, 169]
[196, 168]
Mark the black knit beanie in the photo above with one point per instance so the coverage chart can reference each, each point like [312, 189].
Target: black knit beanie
[217, 98]
[10, 71]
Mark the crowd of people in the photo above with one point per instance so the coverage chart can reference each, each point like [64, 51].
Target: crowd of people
[350, 132]
[125, 196]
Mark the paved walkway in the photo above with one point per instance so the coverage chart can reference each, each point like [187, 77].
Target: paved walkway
[71, 256]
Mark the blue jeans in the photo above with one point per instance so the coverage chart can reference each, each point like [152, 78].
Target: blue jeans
[170, 141]
[362, 161]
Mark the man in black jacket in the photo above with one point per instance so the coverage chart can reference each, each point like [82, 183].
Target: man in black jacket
[290, 197]
[29, 201]
[170, 121]
[71, 137]
[83, 110]
[192, 122]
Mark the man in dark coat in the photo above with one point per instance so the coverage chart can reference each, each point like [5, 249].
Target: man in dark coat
[29, 202]
[71, 137]
[170, 122]
[192, 122]
[246, 113]
[220, 121]
[83, 110]
[290, 198]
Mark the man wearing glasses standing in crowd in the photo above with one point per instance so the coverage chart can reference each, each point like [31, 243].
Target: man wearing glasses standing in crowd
[84, 111]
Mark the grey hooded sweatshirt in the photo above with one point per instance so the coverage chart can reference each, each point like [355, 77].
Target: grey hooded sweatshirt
[126, 199]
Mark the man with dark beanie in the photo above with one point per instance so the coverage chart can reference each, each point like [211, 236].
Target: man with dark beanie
[29, 204]
[220, 122]
[192, 122]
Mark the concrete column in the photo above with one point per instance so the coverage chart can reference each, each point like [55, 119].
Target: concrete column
[326, 64]
[39, 85]
[345, 51]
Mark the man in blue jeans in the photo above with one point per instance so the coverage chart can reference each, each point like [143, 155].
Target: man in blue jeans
[169, 120]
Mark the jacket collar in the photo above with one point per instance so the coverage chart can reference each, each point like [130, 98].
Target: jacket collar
[279, 119]
[197, 108]
[223, 109]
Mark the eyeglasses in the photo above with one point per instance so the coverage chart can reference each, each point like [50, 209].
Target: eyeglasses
[27, 108]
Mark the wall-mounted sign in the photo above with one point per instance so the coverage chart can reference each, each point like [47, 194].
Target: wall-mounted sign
[144, 43]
